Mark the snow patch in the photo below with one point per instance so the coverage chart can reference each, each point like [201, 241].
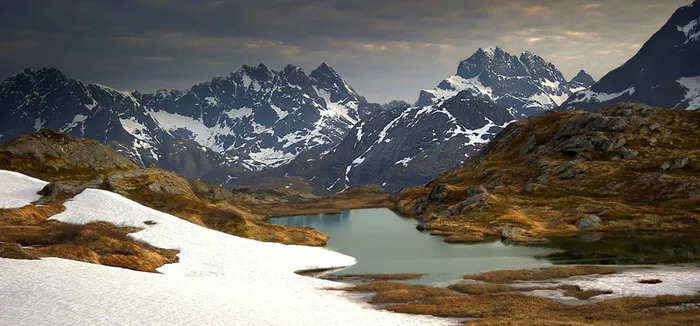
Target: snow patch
[18, 190]
[690, 30]
[692, 95]
[591, 96]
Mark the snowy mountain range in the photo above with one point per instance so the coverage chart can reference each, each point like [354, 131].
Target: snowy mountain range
[526, 85]
[252, 119]
[409, 145]
[664, 73]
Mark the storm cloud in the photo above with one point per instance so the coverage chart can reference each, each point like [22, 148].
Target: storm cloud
[386, 49]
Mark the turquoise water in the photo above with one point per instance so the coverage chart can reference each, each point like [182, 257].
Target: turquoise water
[384, 242]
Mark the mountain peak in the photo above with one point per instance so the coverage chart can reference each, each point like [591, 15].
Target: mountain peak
[582, 79]
[325, 74]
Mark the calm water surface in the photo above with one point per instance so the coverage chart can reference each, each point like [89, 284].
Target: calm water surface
[384, 242]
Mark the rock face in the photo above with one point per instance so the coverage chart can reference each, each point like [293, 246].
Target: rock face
[526, 85]
[252, 119]
[664, 73]
[562, 171]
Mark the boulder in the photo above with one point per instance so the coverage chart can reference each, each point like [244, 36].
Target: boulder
[588, 222]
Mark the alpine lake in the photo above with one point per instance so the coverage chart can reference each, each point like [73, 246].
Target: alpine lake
[386, 243]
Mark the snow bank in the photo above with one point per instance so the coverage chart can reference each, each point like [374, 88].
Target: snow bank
[219, 280]
[17, 190]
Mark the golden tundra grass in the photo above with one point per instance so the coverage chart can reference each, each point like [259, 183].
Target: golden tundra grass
[500, 304]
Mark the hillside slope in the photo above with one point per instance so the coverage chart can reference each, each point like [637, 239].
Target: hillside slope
[625, 167]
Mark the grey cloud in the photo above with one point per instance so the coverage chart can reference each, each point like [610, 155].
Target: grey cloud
[386, 49]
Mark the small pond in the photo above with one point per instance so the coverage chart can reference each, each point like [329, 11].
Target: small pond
[385, 242]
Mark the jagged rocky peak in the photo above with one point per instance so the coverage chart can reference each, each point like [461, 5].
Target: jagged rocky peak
[493, 60]
[526, 85]
[583, 77]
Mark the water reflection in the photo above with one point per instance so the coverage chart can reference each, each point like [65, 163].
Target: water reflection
[627, 249]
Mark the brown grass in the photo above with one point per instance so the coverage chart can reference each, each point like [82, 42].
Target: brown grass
[392, 292]
[480, 288]
[498, 304]
[14, 251]
[29, 214]
[378, 277]
[509, 276]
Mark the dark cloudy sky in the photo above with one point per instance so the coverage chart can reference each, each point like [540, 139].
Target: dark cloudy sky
[387, 49]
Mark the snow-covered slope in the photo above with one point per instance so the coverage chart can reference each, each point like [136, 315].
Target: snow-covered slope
[526, 85]
[664, 73]
[219, 279]
[252, 119]
[18, 190]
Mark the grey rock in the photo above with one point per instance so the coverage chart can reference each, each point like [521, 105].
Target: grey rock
[666, 166]
[627, 153]
[680, 162]
[588, 222]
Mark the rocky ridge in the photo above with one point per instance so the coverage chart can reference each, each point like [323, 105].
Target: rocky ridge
[622, 168]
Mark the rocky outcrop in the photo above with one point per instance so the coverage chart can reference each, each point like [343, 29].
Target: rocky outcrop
[63, 151]
[568, 171]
